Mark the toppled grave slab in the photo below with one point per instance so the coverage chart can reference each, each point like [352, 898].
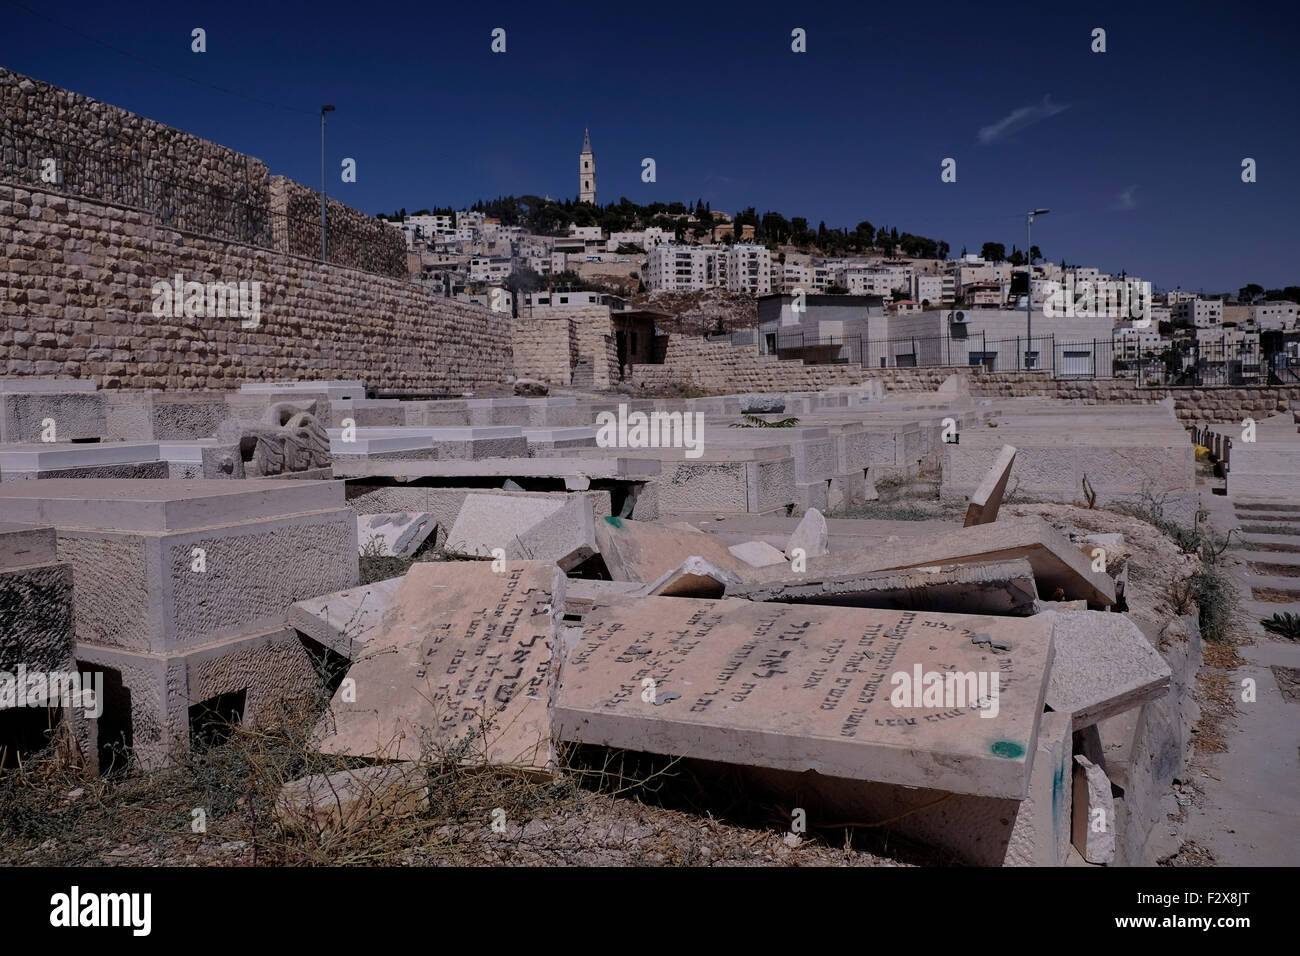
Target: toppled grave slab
[1001, 587]
[559, 529]
[343, 621]
[580, 594]
[461, 663]
[758, 554]
[987, 499]
[695, 577]
[396, 534]
[1057, 564]
[1104, 666]
[809, 688]
[638, 551]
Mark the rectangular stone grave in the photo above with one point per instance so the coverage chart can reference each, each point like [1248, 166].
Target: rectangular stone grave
[460, 663]
[34, 410]
[800, 688]
[182, 587]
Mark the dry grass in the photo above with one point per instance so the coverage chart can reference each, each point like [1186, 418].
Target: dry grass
[604, 808]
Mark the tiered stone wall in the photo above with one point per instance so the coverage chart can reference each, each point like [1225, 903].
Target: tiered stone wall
[119, 157]
[545, 349]
[355, 239]
[114, 156]
[78, 275]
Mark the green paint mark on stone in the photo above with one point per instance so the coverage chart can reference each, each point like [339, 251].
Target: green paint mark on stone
[1005, 748]
[615, 520]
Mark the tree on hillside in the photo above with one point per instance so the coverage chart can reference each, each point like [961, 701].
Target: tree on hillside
[993, 252]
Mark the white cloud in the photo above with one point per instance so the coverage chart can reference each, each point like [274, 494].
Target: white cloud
[1126, 199]
[1017, 120]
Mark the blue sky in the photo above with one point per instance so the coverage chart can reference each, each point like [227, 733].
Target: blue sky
[1137, 151]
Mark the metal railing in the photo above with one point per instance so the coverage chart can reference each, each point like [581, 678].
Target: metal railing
[1178, 363]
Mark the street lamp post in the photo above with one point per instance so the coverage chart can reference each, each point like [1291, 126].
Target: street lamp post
[1029, 284]
[323, 111]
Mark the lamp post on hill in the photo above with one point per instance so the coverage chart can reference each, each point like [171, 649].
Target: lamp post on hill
[1030, 354]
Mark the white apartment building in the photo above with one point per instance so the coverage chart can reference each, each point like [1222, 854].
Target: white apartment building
[585, 232]
[431, 226]
[1274, 316]
[676, 268]
[875, 280]
[1132, 344]
[973, 269]
[1198, 313]
[556, 299]
[749, 269]
[489, 269]
[790, 276]
[742, 267]
[927, 288]
[466, 219]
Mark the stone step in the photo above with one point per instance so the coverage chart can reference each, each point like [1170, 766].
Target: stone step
[1259, 610]
[1274, 564]
[1268, 544]
[1274, 590]
[1264, 506]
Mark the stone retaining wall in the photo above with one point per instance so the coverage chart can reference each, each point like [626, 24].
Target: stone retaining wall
[78, 277]
[108, 154]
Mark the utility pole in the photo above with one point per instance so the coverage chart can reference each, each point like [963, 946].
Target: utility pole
[323, 248]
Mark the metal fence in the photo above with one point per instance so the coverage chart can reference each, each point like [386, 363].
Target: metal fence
[241, 213]
[1178, 363]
